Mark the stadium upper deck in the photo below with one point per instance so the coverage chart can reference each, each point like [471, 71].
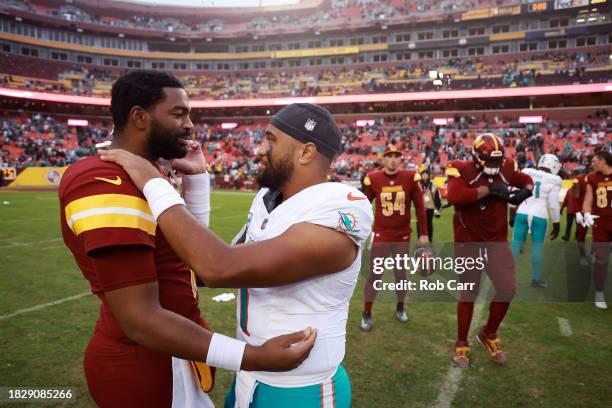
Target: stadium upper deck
[181, 21]
[476, 45]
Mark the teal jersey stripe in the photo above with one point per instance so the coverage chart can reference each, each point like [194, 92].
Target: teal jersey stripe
[244, 310]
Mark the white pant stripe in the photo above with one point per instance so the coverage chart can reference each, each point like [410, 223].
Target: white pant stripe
[327, 394]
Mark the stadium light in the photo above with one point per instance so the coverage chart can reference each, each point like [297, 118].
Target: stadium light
[332, 99]
[441, 121]
[229, 125]
[78, 122]
[530, 119]
[364, 122]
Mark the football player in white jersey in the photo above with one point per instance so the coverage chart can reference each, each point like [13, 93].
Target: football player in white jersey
[532, 215]
[299, 262]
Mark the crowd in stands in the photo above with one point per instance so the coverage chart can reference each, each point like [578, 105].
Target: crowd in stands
[37, 140]
[28, 140]
[459, 73]
[332, 12]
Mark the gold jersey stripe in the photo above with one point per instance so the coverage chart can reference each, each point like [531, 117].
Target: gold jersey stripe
[97, 221]
[107, 200]
[392, 189]
[452, 172]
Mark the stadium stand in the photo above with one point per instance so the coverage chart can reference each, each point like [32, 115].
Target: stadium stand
[320, 13]
[346, 47]
[39, 140]
[550, 68]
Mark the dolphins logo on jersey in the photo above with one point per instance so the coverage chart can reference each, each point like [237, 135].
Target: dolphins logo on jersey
[347, 222]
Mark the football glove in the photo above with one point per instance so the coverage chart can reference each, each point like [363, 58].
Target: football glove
[518, 196]
[589, 220]
[579, 219]
[499, 189]
[555, 231]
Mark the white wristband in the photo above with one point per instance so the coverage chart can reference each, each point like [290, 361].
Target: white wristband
[161, 195]
[225, 352]
[196, 190]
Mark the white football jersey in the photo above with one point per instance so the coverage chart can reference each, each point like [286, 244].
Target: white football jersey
[546, 189]
[321, 302]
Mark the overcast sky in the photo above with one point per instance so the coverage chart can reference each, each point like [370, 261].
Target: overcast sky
[219, 3]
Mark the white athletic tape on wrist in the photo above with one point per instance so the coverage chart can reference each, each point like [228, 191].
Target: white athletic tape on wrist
[197, 196]
[161, 195]
[225, 352]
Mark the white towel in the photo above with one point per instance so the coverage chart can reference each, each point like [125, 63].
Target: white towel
[224, 297]
[245, 388]
[186, 392]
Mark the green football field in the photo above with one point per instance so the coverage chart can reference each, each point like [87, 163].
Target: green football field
[560, 354]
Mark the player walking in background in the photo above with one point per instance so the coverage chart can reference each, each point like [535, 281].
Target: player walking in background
[149, 309]
[597, 213]
[393, 190]
[572, 204]
[300, 260]
[579, 191]
[478, 189]
[532, 214]
[431, 200]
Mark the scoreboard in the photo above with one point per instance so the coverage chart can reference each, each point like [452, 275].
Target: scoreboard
[538, 6]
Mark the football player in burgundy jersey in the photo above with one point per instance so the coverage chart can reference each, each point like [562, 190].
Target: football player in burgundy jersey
[479, 190]
[393, 190]
[573, 201]
[597, 213]
[149, 301]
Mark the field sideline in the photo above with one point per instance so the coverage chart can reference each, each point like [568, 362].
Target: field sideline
[560, 355]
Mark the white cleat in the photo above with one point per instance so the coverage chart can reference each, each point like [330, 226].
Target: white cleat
[584, 261]
[401, 316]
[600, 301]
[366, 322]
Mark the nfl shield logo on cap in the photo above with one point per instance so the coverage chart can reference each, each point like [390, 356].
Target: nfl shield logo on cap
[310, 125]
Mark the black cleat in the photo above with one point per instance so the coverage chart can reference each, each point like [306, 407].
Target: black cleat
[538, 284]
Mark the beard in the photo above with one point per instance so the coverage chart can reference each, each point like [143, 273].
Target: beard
[164, 142]
[277, 173]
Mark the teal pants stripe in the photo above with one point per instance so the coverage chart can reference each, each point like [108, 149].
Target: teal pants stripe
[538, 234]
[312, 396]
